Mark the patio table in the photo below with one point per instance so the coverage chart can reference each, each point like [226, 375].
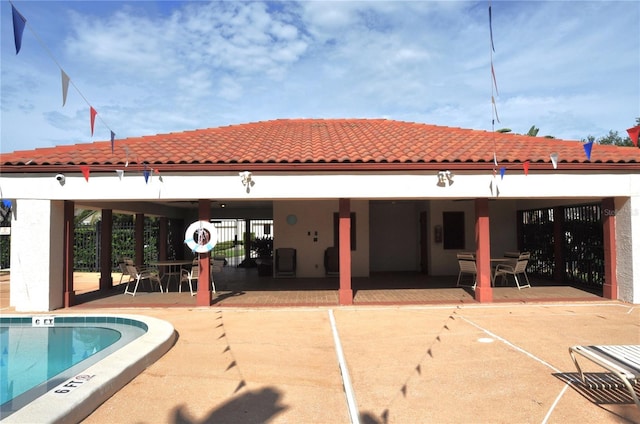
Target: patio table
[170, 268]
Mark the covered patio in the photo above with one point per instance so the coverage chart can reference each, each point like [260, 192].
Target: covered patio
[241, 287]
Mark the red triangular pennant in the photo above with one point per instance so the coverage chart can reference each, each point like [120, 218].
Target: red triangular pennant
[85, 172]
[633, 134]
[525, 165]
[93, 113]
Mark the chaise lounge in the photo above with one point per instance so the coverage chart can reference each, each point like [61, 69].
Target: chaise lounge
[621, 360]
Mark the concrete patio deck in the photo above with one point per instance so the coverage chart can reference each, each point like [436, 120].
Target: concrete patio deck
[443, 363]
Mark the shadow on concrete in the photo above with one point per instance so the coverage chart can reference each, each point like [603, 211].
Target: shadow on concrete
[252, 407]
[602, 388]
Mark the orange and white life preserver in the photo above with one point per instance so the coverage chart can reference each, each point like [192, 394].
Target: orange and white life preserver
[201, 237]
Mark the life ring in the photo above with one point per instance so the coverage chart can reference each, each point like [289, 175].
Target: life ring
[201, 237]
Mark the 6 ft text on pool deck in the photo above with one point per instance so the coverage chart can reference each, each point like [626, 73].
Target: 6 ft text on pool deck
[42, 321]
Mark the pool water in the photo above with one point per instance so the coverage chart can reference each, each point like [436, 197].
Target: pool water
[35, 358]
[30, 356]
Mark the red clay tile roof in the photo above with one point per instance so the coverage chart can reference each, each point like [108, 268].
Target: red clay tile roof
[325, 143]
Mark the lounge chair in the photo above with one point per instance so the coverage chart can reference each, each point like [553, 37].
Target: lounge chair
[621, 360]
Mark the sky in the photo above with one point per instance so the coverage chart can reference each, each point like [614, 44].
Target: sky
[571, 68]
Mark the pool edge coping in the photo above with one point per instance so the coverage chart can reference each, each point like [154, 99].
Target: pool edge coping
[108, 376]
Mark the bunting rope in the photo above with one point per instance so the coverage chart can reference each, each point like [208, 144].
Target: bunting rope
[494, 108]
[19, 23]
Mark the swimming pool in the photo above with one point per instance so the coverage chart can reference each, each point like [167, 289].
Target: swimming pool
[69, 364]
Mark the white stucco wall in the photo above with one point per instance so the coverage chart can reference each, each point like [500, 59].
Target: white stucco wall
[394, 229]
[37, 255]
[313, 233]
[289, 186]
[627, 215]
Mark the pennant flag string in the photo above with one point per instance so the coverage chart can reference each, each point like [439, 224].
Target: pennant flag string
[19, 23]
[495, 83]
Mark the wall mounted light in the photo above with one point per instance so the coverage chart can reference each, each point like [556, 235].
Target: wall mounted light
[247, 181]
[60, 178]
[445, 179]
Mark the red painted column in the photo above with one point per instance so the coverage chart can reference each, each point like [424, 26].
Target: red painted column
[484, 292]
[139, 239]
[69, 227]
[203, 297]
[345, 293]
[106, 234]
[610, 288]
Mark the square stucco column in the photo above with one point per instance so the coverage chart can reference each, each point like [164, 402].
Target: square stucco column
[627, 227]
[37, 250]
[483, 292]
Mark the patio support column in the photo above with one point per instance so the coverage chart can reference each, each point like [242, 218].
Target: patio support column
[163, 238]
[178, 239]
[203, 297]
[610, 287]
[69, 237]
[345, 294]
[106, 234]
[247, 240]
[139, 239]
[483, 292]
[558, 237]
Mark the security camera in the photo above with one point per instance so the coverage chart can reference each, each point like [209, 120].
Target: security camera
[60, 178]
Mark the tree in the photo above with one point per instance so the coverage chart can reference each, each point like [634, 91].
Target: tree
[533, 131]
[612, 139]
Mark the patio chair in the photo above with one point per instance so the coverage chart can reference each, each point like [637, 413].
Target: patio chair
[138, 274]
[123, 269]
[188, 275]
[515, 269]
[467, 263]
[623, 361]
[217, 266]
[285, 262]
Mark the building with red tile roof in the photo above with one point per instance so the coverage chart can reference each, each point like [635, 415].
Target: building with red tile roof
[401, 190]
